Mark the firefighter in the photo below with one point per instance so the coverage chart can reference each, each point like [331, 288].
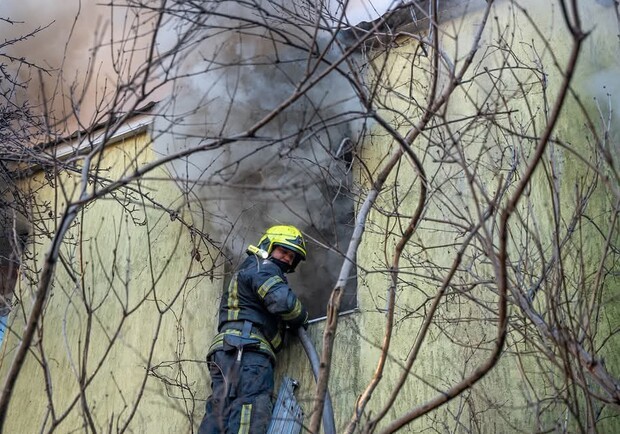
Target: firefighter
[254, 312]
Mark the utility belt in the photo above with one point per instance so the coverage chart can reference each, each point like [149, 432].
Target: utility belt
[232, 339]
[241, 336]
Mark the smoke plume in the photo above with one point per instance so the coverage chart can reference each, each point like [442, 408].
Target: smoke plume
[71, 58]
[247, 63]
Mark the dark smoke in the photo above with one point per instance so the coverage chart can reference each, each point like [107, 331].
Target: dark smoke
[245, 66]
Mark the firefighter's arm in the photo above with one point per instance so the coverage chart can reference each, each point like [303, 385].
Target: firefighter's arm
[280, 300]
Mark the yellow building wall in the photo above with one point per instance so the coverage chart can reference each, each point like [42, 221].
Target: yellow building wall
[508, 398]
[126, 327]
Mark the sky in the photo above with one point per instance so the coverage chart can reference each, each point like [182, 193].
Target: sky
[368, 10]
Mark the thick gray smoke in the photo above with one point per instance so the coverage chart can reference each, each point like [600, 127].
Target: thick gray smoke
[248, 62]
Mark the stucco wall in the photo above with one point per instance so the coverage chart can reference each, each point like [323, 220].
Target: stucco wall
[516, 73]
[138, 346]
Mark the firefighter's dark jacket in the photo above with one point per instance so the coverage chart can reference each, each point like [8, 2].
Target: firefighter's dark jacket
[259, 293]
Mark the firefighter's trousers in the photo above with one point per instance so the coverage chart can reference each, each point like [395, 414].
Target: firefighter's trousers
[244, 407]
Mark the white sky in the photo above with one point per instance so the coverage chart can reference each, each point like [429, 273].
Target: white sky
[368, 10]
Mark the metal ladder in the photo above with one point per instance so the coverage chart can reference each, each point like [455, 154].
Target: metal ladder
[287, 416]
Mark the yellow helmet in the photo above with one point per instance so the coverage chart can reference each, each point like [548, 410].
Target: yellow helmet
[288, 237]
